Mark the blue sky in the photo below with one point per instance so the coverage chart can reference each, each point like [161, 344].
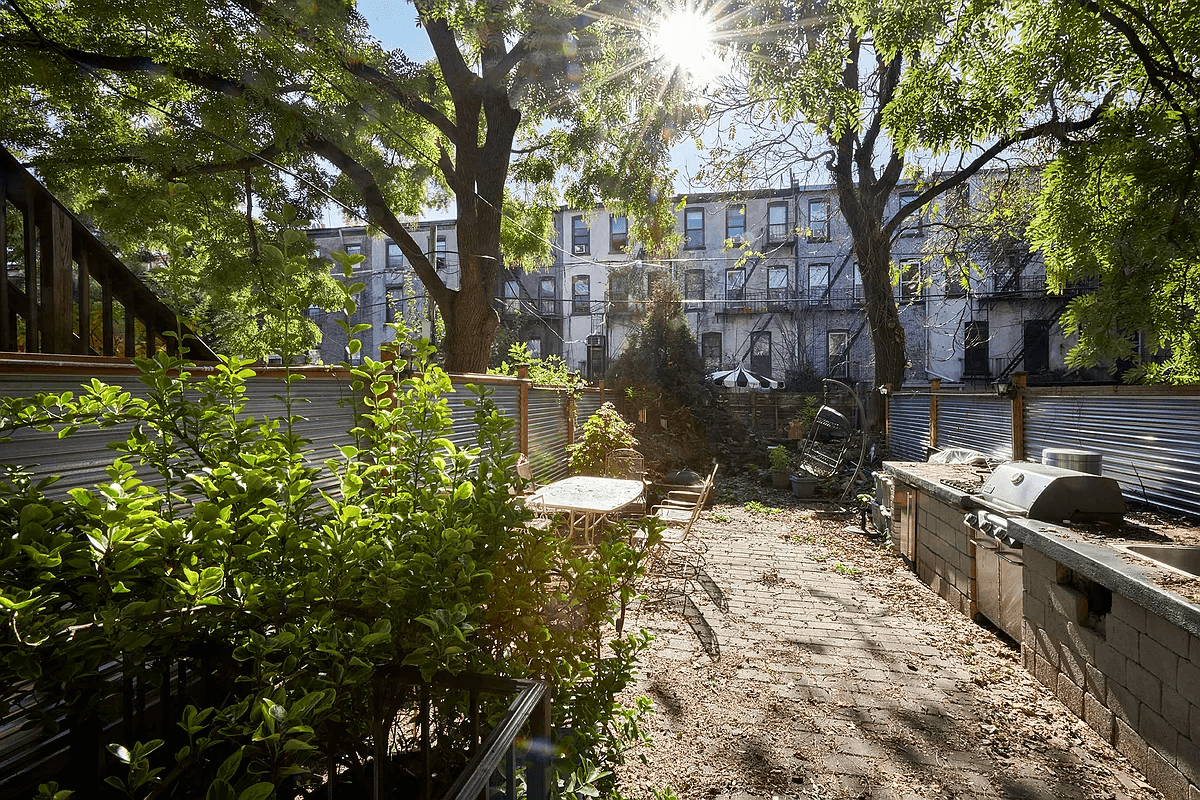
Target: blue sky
[395, 25]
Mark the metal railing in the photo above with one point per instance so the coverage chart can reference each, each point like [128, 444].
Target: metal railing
[833, 298]
[779, 233]
[749, 301]
[1021, 283]
[497, 752]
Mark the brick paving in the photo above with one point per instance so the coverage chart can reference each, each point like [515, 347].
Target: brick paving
[813, 687]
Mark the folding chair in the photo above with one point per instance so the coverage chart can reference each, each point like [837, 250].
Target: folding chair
[625, 462]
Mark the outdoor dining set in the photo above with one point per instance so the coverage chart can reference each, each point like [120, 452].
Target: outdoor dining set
[587, 507]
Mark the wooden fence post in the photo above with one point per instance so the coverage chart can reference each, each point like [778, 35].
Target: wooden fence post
[523, 409]
[934, 386]
[56, 291]
[887, 419]
[1018, 416]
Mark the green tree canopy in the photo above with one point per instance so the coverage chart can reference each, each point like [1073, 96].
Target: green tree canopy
[875, 92]
[258, 103]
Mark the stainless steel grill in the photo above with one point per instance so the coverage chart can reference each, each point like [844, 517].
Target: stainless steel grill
[1051, 494]
[1035, 491]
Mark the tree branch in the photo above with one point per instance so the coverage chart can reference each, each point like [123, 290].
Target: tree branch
[380, 213]
[1052, 127]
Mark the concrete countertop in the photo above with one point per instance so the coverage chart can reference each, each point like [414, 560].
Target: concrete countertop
[1090, 556]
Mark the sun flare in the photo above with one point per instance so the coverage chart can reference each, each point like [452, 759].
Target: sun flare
[685, 39]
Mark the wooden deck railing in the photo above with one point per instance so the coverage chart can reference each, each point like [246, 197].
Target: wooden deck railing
[47, 303]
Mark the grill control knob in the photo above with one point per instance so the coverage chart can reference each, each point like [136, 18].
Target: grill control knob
[1017, 478]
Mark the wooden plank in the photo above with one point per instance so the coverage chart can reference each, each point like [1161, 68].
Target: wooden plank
[6, 342]
[106, 318]
[56, 294]
[85, 303]
[130, 330]
[31, 284]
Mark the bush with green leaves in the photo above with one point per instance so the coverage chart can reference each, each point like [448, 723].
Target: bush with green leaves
[286, 596]
[548, 371]
[605, 431]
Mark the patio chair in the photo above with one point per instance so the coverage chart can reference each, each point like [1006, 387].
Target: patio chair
[693, 495]
[824, 449]
[625, 462]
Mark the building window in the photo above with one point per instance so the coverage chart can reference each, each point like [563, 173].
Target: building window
[735, 222]
[912, 225]
[818, 283]
[760, 352]
[856, 287]
[535, 347]
[956, 273]
[910, 279]
[735, 284]
[618, 292]
[1011, 277]
[581, 236]
[395, 259]
[596, 365]
[512, 297]
[1037, 345]
[657, 285]
[693, 285]
[710, 350]
[618, 234]
[818, 220]
[354, 249]
[581, 294]
[547, 295]
[975, 349]
[777, 222]
[693, 227]
[838, 354]
[777, 283]
[395, 303]
[441, 252]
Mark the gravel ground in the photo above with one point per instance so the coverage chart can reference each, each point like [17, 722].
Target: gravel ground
[817, 666]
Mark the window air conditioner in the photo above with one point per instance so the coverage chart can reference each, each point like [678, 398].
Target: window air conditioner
[580, 249]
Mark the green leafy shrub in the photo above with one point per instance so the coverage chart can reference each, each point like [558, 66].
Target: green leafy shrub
[781, 460]
[548, 371]
[290, 597]
[605, 431]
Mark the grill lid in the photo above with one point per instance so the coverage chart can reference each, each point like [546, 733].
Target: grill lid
[1040, 491]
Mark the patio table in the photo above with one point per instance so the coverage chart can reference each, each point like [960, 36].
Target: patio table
[588, 501]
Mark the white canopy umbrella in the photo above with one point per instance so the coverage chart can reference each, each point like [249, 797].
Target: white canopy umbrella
[742, 378]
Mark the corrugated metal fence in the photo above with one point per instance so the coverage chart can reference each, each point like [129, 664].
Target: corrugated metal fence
[1151, 444]
[548, 414]
[1149, 437]
[980, 422]
[324, 399]
[908, 427]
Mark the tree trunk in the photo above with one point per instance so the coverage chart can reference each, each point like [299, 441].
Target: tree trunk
[874, 253]
[862, 205]
[470, 328]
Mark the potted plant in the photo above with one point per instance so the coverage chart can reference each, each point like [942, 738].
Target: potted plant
[780, 463]
[804, 483]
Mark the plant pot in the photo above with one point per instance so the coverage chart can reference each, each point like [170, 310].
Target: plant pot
[804, 485]
[779, 480]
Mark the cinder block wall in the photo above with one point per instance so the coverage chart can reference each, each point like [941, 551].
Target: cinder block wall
[945, 557]
[1131, 675]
